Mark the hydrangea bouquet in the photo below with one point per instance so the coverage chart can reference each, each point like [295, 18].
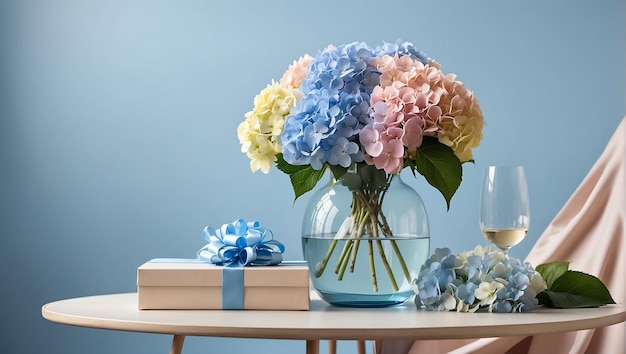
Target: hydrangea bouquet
[487, 279]
[371, 111]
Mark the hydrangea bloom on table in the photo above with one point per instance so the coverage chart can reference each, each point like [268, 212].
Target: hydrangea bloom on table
[365, 114]
[488, 280]
[482, 278]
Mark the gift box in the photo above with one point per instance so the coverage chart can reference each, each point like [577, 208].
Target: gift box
[168, 284]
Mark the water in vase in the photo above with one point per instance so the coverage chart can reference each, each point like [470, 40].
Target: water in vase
[379, 275]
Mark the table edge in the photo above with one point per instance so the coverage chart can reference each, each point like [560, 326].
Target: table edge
[330, 333]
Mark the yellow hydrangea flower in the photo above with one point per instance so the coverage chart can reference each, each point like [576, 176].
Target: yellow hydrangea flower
[259, 132]
[461, 122]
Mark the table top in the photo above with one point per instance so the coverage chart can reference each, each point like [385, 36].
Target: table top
[323, 321]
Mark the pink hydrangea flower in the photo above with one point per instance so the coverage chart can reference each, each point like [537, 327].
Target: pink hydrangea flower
[391, 156]
[404, 103]
[421, 101]
[370, 139]
[296, 72]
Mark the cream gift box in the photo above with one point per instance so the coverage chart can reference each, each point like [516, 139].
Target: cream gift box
[168, 284]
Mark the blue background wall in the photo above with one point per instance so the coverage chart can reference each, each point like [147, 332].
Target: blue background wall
[118, 131]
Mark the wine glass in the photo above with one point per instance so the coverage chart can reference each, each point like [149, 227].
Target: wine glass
[504, 208]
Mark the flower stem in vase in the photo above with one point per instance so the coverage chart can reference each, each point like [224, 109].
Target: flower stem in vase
[357, 243]
[374, 211]
[370, 250]
[366, 221]
[392, 279]
[329, 253]
[387, 232]
[344, 257]
[405, 269]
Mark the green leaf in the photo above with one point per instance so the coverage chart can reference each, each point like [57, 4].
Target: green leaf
[303, 178]
[552, 271]
[544, 299]
[338, 171]
[372, 177]
[568, 301]
[440, 166]
[577, 289]
[286, 167]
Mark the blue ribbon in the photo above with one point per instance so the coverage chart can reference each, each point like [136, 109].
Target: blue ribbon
[234, 246]
[242, 243]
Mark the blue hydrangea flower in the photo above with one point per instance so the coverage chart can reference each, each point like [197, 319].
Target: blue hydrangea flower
[400, 47]
[475, 267]
[436, 273]
[340, 154]
[465, 292]
[527, 303]
[429, 293]
[501, 306]
[335, 105]
[449, 282]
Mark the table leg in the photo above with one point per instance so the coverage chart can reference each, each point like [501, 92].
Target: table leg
[360, 347]
[312, 346]
[332, 346]
[177, 344]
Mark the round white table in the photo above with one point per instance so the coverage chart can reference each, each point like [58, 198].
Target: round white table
[322, 322]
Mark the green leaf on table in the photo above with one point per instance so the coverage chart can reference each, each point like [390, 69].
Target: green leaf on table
[440, 167]
[303, 178]
[544, 299]
[552, 271]
[574, 290]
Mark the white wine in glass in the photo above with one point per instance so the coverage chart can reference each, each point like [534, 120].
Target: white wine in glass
[504, 206]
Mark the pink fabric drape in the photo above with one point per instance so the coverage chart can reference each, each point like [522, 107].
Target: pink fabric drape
[590, 232]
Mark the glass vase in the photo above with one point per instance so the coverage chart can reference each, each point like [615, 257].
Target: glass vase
[365, 237]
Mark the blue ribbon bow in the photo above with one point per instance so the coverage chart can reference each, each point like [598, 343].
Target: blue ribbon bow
[241, 243]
